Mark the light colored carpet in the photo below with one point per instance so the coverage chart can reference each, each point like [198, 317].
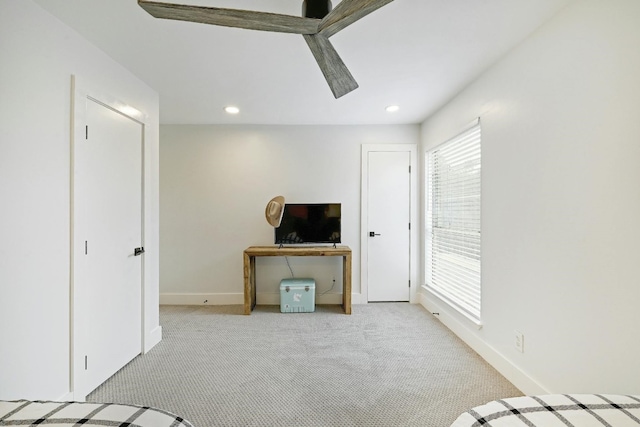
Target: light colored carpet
[385, 365]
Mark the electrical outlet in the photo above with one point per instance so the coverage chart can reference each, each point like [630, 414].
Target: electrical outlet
[519, 341]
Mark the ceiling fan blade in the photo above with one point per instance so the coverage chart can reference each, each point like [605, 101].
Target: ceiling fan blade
[335, 72]
[346, 13]
[232, 17]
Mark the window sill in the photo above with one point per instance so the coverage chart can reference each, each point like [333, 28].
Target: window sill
[457, 310]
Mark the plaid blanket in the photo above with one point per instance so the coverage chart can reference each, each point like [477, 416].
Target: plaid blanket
[556, 410]
[77, 414]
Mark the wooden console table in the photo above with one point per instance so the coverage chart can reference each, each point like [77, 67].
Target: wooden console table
[252, 252]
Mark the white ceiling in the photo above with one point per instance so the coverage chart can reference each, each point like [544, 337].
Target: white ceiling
[414, 53]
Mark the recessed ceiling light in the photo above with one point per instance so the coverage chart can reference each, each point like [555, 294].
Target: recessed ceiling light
[392, 108]
[231, 109]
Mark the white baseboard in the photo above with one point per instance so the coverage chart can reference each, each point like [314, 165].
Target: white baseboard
[274, 299]
[238, 299]
[201, 299]
[355, 299]
[511, 372]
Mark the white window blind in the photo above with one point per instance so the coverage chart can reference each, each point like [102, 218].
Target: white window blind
[453, 222]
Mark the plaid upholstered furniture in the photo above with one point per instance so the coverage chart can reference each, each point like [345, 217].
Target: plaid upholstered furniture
[67, 414]
[555, 410]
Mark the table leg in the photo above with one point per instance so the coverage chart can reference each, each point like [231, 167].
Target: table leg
[346, 283]
[247, 284]
[252, 262]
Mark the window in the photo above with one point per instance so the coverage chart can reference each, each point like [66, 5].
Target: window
[453, 222]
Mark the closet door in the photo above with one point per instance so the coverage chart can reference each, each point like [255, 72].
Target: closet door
[108, 241]
[388, 226]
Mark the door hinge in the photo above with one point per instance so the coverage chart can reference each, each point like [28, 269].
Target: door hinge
[86, 362]
[409, 226]
[86, 247]
[409, 168]
[409, 283]
[86, 132]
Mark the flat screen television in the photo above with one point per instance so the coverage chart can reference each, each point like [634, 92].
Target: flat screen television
[309, 223]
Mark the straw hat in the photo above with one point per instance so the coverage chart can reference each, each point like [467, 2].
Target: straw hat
[274, 211]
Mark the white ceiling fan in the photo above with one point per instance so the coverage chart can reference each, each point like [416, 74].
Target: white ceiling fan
[318, 23]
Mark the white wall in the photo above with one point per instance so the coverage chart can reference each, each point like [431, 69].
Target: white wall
[38, 56]
[215, 184]
[561, 202]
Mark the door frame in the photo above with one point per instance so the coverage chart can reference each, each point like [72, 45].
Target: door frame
[364, 217]
[81, 93]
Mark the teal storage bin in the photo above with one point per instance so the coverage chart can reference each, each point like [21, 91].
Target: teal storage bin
[297, 295]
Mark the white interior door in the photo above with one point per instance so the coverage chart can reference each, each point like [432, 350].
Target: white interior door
[388, 218]
[107, 229]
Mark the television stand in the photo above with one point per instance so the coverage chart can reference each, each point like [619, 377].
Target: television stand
[252, 252]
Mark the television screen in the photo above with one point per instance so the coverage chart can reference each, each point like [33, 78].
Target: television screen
[309, 223]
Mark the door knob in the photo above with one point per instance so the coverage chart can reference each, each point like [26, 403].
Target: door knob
[373, 234]
[138, 251]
